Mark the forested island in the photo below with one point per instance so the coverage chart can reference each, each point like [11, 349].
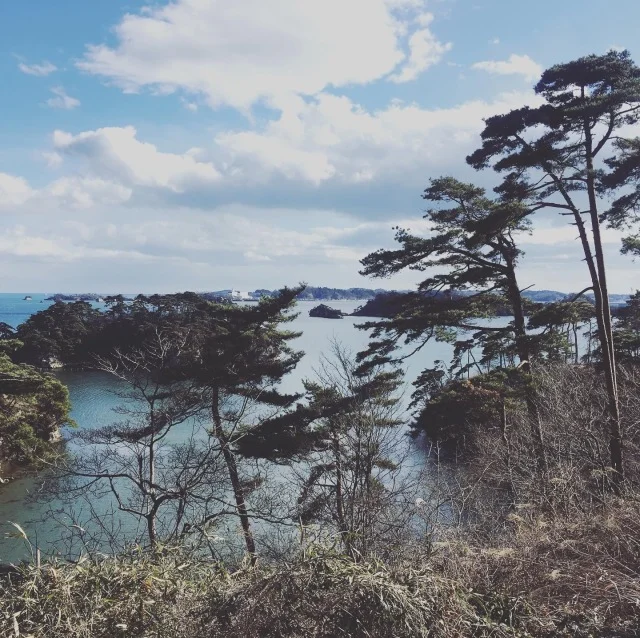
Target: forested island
[302, 512]
[314, 293]
[326, 312]
[74, 297]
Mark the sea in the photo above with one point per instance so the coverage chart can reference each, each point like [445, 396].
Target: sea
[94, 402]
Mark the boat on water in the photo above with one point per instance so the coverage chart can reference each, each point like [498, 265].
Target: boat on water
[237, 295]
[28, 298]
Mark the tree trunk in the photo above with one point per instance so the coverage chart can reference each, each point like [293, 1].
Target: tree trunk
[603, 316]
[342, 524]
[232, 468]
[151, 516]
[603, 312]
[524, 354]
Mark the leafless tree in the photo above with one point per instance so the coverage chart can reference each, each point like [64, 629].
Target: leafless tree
[363, 486]
[157, 463]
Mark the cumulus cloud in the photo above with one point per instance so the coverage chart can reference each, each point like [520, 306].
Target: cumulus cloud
[516, 65]
[327, 151]
[75, 192]
[14, 191]
[61, 100]
[39, 70]
[237, 53]
[78, 192]
[52, 159]
[117, 154]
[330, 138]
[425, 51]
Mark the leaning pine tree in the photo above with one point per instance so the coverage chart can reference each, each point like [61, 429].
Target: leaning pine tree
[472, 249]
[552, 155]
[241, 355]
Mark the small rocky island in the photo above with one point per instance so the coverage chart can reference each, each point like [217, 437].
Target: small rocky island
[326, 312]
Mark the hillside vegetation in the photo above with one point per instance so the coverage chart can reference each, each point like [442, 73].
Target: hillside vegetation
[33, 408]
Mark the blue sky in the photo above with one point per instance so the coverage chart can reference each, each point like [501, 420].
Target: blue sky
[206, 144]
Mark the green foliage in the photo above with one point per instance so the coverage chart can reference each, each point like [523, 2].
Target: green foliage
[626, 334]
[227, 351]
[33, 406]
[589, 103]
[453, 411]
[601, 89]
[62, 332]
[551, 157]
[558, 326]
[472, 252]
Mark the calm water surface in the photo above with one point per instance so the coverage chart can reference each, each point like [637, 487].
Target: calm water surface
[93, 401]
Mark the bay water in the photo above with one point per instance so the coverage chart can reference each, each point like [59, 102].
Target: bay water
[93, 402]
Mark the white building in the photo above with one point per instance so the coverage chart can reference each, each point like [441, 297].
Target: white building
[237, 295]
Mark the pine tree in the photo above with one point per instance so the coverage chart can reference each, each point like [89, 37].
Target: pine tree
[472, 246]
[551, 153]
[241, 356]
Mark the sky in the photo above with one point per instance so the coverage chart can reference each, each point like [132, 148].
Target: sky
[214, 144]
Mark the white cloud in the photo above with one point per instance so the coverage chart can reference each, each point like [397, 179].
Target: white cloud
[425, 51]
[20, 242]
[115, 154]
[40, 70]
[62, 100]
[230, 232]
[495, 41]
[327, 142]
[566, 234]
[190, 106]
[17, 196]
[77, 192]
[237, 53]
[52, 159]
[327, 151]
[516, 65]
[274, 154]
[14, 191]
[331, 138]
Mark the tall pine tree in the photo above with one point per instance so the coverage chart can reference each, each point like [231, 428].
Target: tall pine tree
[551, 154]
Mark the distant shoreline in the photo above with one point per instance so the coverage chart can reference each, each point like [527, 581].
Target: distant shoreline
[311, 294]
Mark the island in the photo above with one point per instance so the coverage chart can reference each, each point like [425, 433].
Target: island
[326, 312]
[75, 297]
[382, 306]
[310, 293]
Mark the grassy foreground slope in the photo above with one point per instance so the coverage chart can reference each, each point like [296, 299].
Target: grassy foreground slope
[551, 577]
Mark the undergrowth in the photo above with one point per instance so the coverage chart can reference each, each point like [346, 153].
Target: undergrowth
[554, 578]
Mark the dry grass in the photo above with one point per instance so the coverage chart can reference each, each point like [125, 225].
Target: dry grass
[327, 595]
[130, 596]
[549, 577]
[321, 595]
[576, 576]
